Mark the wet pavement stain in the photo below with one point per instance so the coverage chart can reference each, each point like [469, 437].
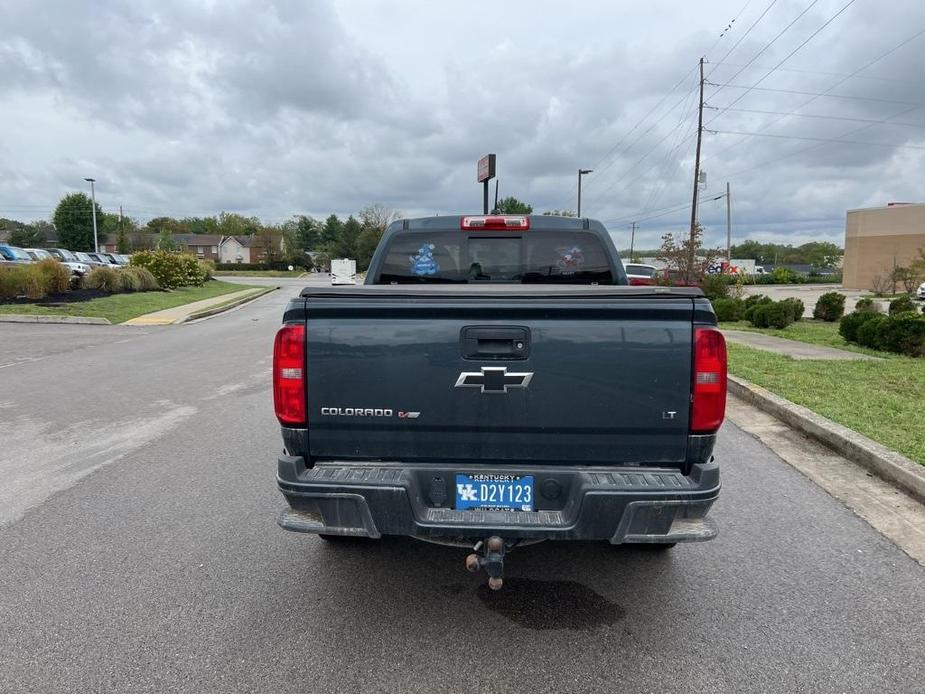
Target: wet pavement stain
[550, 604]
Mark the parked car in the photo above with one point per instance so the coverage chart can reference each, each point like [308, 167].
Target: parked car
[495, 382]
[78, 269]
[90, 259]
[114, 259]
[640, 274]
[671, 278]
[14, 254]
[921, 292]
[105, 260]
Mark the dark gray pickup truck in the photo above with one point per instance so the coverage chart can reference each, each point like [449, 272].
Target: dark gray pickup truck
[496, 382]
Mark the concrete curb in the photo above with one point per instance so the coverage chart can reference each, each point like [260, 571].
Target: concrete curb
[75, 320]
[890, 465]
[208, 312]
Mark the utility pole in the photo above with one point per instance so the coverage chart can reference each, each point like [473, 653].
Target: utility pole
[581, 172]
[728, 226]
[696, 170]
[96, 243]
[632, 240]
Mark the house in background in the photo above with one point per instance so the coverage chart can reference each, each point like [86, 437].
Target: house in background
[249, 249]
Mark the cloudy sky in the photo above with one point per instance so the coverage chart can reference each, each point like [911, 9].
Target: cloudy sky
[276, 107]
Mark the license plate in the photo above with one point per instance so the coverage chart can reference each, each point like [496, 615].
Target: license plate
[508, 492]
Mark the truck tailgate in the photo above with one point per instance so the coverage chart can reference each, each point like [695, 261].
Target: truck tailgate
[600, 377]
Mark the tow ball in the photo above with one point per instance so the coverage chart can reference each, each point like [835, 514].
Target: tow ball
[489, 555]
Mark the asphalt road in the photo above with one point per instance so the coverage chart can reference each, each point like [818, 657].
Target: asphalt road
[139, 553]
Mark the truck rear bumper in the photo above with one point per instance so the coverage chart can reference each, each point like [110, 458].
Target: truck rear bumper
[621, 505]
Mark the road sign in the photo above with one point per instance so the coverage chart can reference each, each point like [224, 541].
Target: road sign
[486, 168]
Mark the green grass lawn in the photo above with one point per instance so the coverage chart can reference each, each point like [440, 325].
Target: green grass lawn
[815, 332]
[883, 400]
[258, 273]
[119, 308]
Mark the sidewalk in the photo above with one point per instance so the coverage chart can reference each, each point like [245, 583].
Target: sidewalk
[792, 348]
[179, 314]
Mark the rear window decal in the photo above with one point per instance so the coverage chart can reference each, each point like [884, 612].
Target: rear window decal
[570, 259]
[424, 262]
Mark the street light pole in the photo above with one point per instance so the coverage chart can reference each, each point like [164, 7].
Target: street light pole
[581, 172]
[96, 243]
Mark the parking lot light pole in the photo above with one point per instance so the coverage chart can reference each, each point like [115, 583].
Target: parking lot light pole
[581, 172]
[96, 243]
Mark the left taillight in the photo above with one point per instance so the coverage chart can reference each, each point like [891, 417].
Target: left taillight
[708, 402]
[289, 374]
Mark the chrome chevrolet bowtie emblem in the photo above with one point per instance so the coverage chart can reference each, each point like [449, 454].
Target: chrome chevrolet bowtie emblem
[493, 379]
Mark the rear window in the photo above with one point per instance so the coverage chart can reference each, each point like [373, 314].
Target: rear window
[641, 270]
[533, 257]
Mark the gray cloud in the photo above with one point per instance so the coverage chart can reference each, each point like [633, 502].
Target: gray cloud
[272, 108]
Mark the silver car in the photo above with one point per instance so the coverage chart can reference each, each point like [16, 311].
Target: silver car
[78, 269]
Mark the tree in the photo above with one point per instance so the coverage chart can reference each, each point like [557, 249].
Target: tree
[687, 258]
[122, 245]
[512, 205]
[269, 239]
[73, 218]
[820, 253]
[234, 224]
[160, 225]
[200, 225]
[374, 220]
[28, 235]
[166, 241]
[307, 234]
[331, 230]
[345, 245]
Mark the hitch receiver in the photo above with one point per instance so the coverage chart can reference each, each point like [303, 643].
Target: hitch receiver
[489, 555]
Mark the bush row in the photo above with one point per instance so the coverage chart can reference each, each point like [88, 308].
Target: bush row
[830, 307]
[903, 333]
[34, 281]
[759, 310]
[130, 279]
[49, 278]
[173, 270]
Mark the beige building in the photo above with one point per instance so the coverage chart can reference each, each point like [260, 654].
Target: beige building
[877, 239]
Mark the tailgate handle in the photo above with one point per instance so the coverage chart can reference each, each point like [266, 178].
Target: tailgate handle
[493, 342]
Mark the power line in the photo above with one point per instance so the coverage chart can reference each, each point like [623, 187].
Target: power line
[818, 139]
[826, 73]
[766, 47]
[870, 63]
[819, 94]
[880, 121]
[789, 55]
[742, 38]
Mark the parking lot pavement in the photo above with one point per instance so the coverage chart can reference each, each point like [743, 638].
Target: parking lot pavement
[151, 562]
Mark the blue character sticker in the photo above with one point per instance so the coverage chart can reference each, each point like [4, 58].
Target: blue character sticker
[424, 262]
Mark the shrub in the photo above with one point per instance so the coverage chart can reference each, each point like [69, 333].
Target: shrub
[752, 303]
[849, 325]
[170, 269]
[796, 306]
[208, 268]
[866, 304]
[784, 275]
[869, 332]
[129, 281]
[147, 281]
[902, 304]
[728, 309]
[715, 286]
[772, 315]
[830, 307]
[104, 278]
[903, 333]
[55, 277]
[12, 281]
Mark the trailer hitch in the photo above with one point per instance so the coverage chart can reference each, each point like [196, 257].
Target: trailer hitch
[489, 555]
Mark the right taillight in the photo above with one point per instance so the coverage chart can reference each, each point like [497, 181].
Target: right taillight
[708, 403]
[289, 374]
